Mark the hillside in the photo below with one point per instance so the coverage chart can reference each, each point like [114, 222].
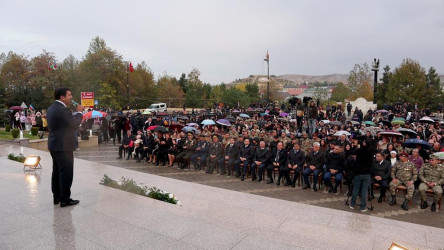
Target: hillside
[333, 78]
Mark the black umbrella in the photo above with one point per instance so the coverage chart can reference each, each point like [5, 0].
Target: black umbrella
[161, 129]
[411, 143]
[231, 119]
[185, 118]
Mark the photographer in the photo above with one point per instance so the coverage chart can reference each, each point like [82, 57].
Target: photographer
[364, 160]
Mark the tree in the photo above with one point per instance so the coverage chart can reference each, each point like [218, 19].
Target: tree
[252, 91]
[321, 94]
[194, 90]
[359, 75]
[340, 93]
[382, 88]
[233, 96]
[170, 91]
[366, 91]
[408, 83]
[433, 87]
[108, 96]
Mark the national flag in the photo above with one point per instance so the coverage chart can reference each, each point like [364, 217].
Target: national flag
[267, 57]
[52, 66]
[31, 107]
[131, 69]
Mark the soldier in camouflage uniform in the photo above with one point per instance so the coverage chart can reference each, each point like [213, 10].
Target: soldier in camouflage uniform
[284, 139]
[306, 143]
[215, 154]
[432, 177]
[403, 173]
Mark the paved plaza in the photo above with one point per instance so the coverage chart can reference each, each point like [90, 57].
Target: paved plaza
[217, 212]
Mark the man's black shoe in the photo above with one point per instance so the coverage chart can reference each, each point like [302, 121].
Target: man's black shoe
[306, 187]
[287, 183]
[393, 201]
[405, 205]
[278, 183]
[315, 189]
[380, 199]
[293, 184]
[330, 189]
[120, 157]
[270, 181]
[237, 175]
[253, 178]
[127, 158]
[71, 202]
[242, 178]
[424, 205]
[335, 190]
[56, 201]
[433, 208]
[260, 179]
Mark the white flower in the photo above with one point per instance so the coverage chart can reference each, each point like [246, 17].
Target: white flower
[170, 196]
[119, 183]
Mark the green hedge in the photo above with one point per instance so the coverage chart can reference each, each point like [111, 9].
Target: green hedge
[34, 131]
[7, 128]
[15, 133]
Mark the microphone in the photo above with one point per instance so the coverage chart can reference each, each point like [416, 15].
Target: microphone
[74, 103]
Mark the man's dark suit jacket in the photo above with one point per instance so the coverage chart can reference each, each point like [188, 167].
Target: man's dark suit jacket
[316, 160]
[282, 157]
[246, 152]
[296, 158]
[61, 125]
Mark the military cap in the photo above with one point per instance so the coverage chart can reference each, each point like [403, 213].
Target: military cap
[189, 133]
[404, 154]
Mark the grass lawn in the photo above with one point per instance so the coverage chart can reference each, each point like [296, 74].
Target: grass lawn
[8, 136]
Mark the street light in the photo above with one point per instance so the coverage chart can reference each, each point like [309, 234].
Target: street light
[375, 68]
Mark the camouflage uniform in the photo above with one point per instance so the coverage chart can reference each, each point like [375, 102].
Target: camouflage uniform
[189, 149]
[285, 140]
[404, 172]
[428, 173]
[306, 144]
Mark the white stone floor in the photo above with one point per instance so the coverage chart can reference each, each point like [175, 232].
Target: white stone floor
[210, 218]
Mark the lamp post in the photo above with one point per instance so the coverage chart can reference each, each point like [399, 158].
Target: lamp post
[375, 69]
[267, 59]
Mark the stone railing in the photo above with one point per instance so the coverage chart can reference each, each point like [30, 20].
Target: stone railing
[42, 144]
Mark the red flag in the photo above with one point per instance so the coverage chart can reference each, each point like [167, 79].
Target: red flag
[131, 69]
[267, 57]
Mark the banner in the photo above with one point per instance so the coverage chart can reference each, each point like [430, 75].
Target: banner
[87, 99]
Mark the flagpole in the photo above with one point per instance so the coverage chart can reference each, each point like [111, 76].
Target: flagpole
[127, 85]
[268, 81]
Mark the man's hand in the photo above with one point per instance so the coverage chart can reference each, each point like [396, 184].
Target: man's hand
[378, 178]
[226, 157]
[312, 167]
[333, 171]
[258, 163]
[395, 181]
[79, 108]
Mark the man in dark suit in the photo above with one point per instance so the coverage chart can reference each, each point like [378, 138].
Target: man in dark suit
[231, 151]
[380, 174]
[261, 156]
[278, 160]
[215, 153]
[315, 163]
[245, 156]
[61, 144]
[127, 145]
[296, 161]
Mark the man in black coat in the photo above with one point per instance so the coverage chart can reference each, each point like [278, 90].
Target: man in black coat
[230, 154]
[61, 144]
[315, 164]
[278, 159]
[380, 174]
[245, 157]
[296, 161]
[260, 160]
[335, 165]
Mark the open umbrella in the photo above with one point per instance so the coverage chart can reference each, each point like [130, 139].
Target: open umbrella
[427, 119]
[381, 111]
[161, 129]
[230, 119]
[336, 123]
[94, 114]
[390, 133]
[342, 132]
[411, 143]
[192, 124]
[325, 121]
[223, 122]
[283, 114]
[152, 127]
[208, 122]
[172, 127]
[398, 118]
[373, 130]
[370, 123]
[406, 131]
[16, 108]
[244, 116]
[440, 155]
[182, 117]
[235, 111]
[354, 122]
[251, 120]
[190, 129]
[263, 114]
[398, 122]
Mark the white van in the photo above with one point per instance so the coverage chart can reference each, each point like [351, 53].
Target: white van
[157, 108]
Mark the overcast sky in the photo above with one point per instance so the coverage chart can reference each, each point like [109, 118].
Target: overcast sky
[226, 40]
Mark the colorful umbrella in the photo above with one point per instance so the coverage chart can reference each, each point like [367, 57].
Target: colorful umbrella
[208, 122]
[16, 108]
[172, 127]
[440, 155]
[152, 127]
[342, 132]
[390, 133]
[398, 118]
[283, 114]
[161, 129]
[244, 116]
[190, 129]
[381, 111]
[370, 123]
[263, 114]
[192, 124]
[223, 122]
[231, 119]
[325, 121]
[406, 131]
[398, 122]
[94, 114]
[427, 119]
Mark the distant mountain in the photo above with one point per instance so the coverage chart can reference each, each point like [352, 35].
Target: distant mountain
[298, 79]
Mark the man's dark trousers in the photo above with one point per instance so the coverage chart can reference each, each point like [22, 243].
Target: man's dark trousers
[62, 174]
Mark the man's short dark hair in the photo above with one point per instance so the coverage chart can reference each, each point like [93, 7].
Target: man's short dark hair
[60, 92]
